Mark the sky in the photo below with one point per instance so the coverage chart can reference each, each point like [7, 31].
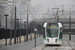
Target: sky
[49, 4]
[52, 3]
[42, 6]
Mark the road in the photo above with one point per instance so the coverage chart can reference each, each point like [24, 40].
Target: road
[30, 44]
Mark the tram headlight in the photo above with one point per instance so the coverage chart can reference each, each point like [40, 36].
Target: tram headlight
[47, 39]
[56, 40]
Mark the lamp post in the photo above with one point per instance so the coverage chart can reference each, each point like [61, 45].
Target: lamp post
[35, 29]
[17, 28]
[43, 19]
[31, 31]
[20, 31]
[11, 33]
[6, 30]
[0, 22]
[27, 23]
[70, 25]
[24, 29]
[14, 5]
[27, 27]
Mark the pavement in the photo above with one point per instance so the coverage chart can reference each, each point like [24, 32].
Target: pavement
[67, 45]
[23, 45]
[2, 41]
[30, 45]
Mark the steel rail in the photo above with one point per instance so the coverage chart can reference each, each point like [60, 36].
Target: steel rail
[70, 45]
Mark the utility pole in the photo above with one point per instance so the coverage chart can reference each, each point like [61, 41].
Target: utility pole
[6, 31]
[48, 12]
[70, 25]
[27, 23]
[14, 5]
[20, 31]
[20, 26]
[27, 27]
[62, 9]
[15, 28]
[70, 20]
[57, 18]
[43, 19]
[35, 29]
[31, 31]
[0, 22]
[24, 29]
[0, 15]
[11, 33]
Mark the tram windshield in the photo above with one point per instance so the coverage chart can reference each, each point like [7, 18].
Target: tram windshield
[51, 32]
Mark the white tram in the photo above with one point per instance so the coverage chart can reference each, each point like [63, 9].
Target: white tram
[52, 33]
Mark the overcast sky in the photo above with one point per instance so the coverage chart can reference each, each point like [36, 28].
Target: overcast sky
[52, 3]
[44, 5]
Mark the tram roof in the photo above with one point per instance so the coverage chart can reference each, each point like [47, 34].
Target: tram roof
[60, 25]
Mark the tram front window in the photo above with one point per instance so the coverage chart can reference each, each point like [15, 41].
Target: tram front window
[52, 33]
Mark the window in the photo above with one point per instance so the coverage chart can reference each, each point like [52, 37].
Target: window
[52, 32]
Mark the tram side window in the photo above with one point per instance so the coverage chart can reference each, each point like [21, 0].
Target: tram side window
[44, 33]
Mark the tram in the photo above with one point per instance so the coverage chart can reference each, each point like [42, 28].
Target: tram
[52, 33]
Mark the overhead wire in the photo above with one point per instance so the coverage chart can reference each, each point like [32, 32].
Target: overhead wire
[54, 3]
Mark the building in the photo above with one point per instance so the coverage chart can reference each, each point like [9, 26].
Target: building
[7, 7]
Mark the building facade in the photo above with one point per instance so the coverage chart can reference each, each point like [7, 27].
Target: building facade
[7, 7]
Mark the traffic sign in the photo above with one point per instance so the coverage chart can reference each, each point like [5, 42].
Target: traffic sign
[35, 29]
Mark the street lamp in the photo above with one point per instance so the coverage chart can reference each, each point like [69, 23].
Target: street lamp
[43, 19]
[70, 19]
[6, 29]
[17, 27]
[27, 23]
[35, 29]
[24, 29]
[14, 5]
[20, 31]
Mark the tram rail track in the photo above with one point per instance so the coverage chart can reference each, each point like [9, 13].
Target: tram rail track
[55, 47]
[63, 46]
[44, 47]
[71, 46]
